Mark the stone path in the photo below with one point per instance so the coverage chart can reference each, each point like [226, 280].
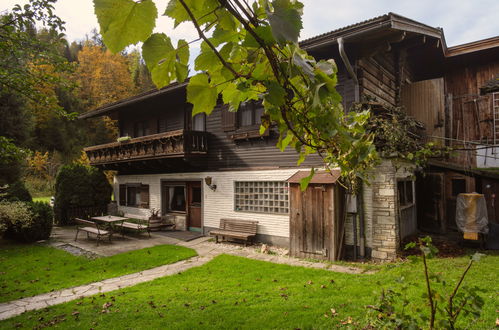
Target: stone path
[206, 251]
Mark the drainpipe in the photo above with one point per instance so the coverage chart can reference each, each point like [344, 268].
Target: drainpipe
[360, 209]
[348, 66]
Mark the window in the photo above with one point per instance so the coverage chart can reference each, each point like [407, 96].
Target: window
[405, 192]
[134, 195]
[140, 129]
[175, 198]
[458, 186]
[196, 196]
[250, 113]
[261, 196]
[199, 122]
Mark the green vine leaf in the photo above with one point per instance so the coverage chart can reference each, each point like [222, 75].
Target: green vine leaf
[305, 181]
[125, 22]
[201, 95]
[285, 20]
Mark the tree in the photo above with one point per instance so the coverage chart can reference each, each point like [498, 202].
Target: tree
[20, 49]
[102, 78]
[249, 52]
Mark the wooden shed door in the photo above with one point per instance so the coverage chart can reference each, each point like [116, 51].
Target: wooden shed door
[310, 221]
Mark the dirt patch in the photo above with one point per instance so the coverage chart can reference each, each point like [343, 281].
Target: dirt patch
[448, 247]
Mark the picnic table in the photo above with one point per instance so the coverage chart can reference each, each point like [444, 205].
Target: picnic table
[111, 221]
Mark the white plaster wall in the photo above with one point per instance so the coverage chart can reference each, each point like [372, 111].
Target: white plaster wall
[216, 204]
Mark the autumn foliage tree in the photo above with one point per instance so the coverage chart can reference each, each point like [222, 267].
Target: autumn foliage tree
[102, 78]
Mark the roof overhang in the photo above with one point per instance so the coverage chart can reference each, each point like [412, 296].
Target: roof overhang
[381, 25]
[320, 177]
[105, 110]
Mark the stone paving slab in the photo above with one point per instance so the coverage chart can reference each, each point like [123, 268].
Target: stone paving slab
[206, 250]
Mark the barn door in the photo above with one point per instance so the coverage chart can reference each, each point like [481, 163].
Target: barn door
[310, 221]
[431, 202]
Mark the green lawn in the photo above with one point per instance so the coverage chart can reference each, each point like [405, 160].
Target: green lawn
[232, 292]
[28, 270]
[45, 199]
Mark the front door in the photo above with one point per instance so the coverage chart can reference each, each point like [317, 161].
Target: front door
[194, 206]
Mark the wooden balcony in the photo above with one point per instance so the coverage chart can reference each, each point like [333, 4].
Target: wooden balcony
[175, 144]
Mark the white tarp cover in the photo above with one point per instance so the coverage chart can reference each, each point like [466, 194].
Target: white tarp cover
[471, 213]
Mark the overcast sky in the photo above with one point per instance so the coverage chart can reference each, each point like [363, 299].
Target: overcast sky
[462, 20]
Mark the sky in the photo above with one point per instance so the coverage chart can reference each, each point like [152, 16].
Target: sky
[462, 20]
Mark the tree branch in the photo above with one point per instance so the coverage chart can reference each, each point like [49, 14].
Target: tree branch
[208, 42]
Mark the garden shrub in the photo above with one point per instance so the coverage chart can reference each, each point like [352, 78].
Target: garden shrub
[12, 159]
[16, 191]
[43, 220]
[27, 222]
[79, 186]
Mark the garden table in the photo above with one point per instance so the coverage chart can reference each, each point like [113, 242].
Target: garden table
[110, 220]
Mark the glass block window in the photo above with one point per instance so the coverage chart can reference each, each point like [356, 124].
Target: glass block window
[261, 196]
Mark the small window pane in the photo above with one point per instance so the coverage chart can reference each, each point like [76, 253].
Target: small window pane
[199, 122]
[176, 198]
[196, 195]
[246, 114]
[258, 115]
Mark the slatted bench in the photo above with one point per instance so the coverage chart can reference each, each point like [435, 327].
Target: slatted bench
[91, 227]
[143, 225]
[236, 228]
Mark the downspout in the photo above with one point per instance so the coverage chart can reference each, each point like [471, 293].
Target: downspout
[348, 66]
[360, 209]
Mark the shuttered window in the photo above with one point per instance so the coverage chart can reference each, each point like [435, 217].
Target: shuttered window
[134, 195]
[229, 119]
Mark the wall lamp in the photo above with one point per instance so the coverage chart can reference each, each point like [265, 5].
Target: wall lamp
[208, 180]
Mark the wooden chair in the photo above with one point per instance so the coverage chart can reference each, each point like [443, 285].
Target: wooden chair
[235, 228]
[91, 227]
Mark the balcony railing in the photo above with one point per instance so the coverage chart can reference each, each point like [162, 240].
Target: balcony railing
[179, 143]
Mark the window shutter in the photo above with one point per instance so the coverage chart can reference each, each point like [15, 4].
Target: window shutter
[122, 195]
[229, 119]
[144, 196]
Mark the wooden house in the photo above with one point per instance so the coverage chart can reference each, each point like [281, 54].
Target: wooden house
[200, 169]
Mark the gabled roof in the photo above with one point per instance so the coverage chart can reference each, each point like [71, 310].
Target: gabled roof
[472, 47]
[358, 30]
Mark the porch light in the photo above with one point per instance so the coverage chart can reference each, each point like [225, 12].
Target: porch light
[208, 181]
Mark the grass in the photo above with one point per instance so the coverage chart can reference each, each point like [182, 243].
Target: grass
[28, 270]
[45, 199]
[232, 292]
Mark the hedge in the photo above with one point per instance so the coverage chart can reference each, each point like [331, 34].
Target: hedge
[79, 186]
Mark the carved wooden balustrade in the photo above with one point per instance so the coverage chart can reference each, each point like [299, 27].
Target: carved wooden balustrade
[179, 143]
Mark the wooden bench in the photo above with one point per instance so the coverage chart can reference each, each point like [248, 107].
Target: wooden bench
[91, 227]
[235, 228]
[143, 225]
